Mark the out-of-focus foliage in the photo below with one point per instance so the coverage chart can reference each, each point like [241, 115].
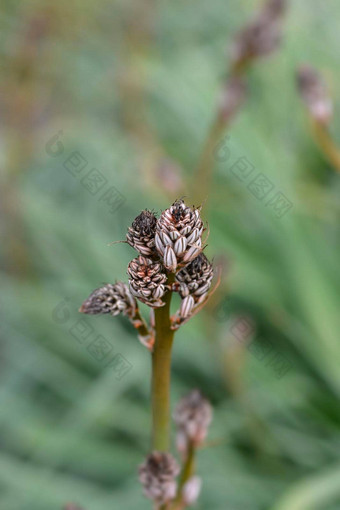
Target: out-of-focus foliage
[132, 85]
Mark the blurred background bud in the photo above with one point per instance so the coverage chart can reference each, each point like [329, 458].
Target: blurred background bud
[314, 93]
[193, 415]
[191, 490]
[262, 36]
[158, 477]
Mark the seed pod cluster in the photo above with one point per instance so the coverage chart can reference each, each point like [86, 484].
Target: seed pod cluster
[174, 245]
[170, 244]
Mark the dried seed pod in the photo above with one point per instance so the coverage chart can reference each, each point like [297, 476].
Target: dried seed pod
[192, 416]
[158, 477]
[260, 37]
[314, 94]
[141, 234]
[147, 281]
[112, 299]
[178, 235]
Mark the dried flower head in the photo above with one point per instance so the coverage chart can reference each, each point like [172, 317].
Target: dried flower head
[112, 299]
[158, 477]
[147, 281]
[178, 235]
[262, 36]
[194, 282]
[141, 234]
[192, 416]
[232, 97]
[315, 94]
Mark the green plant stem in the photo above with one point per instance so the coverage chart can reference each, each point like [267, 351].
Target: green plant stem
[139, 323]
[187, 472]
[203, 176]
[161, 367]
[204, 173]
[328, 147]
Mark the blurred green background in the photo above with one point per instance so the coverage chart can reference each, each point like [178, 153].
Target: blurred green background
[131, 87]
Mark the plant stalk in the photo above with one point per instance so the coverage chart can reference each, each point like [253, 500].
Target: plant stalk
[326, 144]
[187, 472]
[161, 368]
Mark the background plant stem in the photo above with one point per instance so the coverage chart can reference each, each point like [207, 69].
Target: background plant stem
[161, 366]
[187, 472]
[328, 147]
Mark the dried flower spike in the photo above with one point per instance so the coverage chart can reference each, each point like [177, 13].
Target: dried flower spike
[141, 234]
[112, 299]
[147, 281]
[158, 477]
[178, 235]
[192, 416]
[315, 94]
[260, 37]
[194, 282]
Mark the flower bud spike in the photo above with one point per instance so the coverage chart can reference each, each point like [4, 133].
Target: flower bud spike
[110, 299]
[141, 234]
[178, 235]
[147, 281]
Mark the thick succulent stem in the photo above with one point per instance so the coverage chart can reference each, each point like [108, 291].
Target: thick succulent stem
[161, 367]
